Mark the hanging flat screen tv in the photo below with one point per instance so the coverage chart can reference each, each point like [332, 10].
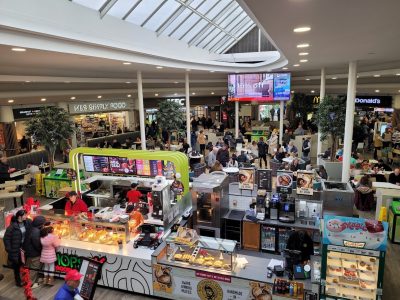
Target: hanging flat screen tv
[263, 87]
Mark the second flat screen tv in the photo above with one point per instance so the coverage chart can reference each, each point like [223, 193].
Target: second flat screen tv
[263, 87]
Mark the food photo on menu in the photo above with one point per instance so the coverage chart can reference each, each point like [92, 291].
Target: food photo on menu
[246, 179]
[305, 182]
[122, 165]
[284, 181]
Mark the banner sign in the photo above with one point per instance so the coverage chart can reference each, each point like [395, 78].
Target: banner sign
[284, 181]
[26, 112]
[101, 106]
[305, 183]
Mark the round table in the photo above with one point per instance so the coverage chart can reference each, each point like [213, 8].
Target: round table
[194, 160]
[233, 173]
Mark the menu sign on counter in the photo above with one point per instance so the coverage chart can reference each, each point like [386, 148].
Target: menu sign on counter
[97, 164]
[305, 183]
[264, 179]
[284, 182]
[91, 271]
[246, 179]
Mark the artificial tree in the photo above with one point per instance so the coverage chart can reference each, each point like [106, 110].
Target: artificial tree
[170, 117]
[50, 128]
[330, 119]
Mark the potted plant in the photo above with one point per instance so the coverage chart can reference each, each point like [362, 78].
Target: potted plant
[330, 118]
[50, 127]
[170, 117]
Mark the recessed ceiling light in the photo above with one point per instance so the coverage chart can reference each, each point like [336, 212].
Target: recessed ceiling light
[377, 75]
[358, 76]
[303, 53]
[397, 74]
[284, 68]
[72, 98]
[11, 101]
[212, 93]
[176, 82]
[302, 29]
[99, 97]
[175, 94]
[159, 67]
[334, 78]
[312, 91]
[27, 81]
[193, 93]
[128, 82]
[292, 92]
[305, 45]
[127, 63]
[188, 70]
[212, 71]
[399, 91]
[129, 95]
[296, 65]
[156, 95]
[16, 49]
[308, 79]
[303, 60]
[43, 99]
[377, 91]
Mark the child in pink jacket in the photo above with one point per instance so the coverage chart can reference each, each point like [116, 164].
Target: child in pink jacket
[49, 244]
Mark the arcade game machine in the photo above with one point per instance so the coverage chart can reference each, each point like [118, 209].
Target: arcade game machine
[353, 258]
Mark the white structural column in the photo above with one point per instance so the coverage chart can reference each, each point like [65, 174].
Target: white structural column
[236, 119]
[321, 97]
[348, 132]
[187, 97]
[281, 108]
[141, 110]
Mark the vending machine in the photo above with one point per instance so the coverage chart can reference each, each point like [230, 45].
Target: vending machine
[353, 258]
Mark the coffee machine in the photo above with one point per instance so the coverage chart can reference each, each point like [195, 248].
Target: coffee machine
[274, 207]
[160, 197]
[287, 210]
[260, 204]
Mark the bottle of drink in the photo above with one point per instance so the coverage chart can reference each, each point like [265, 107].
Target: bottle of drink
[295, 289]
[291, 289]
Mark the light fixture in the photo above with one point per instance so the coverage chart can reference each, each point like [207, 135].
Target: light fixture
[72, 98]
[212, 93]
[128, 82]
[303, 60]
[303, 53]
[188, 70]
[302, 29]
[159, 67]
[312, 91]
[176, 82]
[99, 97]
[126, 63]
[377, 91]
[175, 94]
[16, 49]
[27, 81]
[304, 45]
[43, 99]
[292, 92]
[308, 79]
[10, 101]
[397, 74]
[156, 95]
[212, 71]
[334, 78]
[399, 91]
[296, 65]
[129, 95]
[377, 75]
[67, 81]
[284, 68]
[193, 93]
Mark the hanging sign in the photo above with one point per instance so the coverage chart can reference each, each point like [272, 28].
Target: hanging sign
[102, 106]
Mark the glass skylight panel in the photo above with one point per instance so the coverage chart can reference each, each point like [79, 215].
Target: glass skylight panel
[215, 40]
[163, 14]
[196, 29]
[121, 8]
[217, 8]
[177, 21]
[227, 12]
[196, 3]
[221, 47]
[244, 28]
[238, 21]
[214, 32]
[228, 20]
[185, 26]
[202, 36]
[143, 11]
[93, 4]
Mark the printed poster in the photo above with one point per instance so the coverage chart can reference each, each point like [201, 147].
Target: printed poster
[246, 179]
[305, 183]
[284, 182]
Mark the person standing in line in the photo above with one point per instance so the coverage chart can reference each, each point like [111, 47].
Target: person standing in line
[201, 139]
[49, 243]
[223, 155]
[33, 249]
[13, 240]
[378, 143]
[306, 148]
[272, 112]
[212, 157]
[69, 290]
[262, 151]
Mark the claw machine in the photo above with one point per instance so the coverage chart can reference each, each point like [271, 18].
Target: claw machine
[353, 258]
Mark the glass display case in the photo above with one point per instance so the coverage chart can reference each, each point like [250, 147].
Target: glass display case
[76, 228]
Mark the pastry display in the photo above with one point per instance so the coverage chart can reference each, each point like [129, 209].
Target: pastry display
[218, 264]
[199, 261]
[208, 263]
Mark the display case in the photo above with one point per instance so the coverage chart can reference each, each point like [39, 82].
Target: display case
[76, 228]
[394, 222]
[206, 253]
[58, 179]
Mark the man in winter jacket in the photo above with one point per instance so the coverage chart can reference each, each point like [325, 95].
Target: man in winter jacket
[33, 248]
[70, 288]
[223, 155]
[262, 151]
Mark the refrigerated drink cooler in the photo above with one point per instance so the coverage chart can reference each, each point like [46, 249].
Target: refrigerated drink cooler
[353, 258]
[210, 202]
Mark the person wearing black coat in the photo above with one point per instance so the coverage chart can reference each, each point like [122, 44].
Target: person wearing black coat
[33, 248]
[223, 155]
[13, 241]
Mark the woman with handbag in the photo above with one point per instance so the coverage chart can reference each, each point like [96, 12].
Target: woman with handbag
[13, 241]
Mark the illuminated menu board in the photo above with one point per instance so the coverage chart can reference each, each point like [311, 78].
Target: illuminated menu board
[98, 164]
[156, 168]
[122, 165]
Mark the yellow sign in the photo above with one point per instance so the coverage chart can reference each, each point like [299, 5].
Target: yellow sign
[209, 290]
[162, 281]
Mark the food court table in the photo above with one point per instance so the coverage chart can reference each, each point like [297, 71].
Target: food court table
[13, 195]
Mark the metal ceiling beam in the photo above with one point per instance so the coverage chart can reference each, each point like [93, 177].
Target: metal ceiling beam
[208, 25]
[187, 17]
[171, 18]
[104, 9]
[153, 13]
[187, 31]
[131, 10]
[244, 25]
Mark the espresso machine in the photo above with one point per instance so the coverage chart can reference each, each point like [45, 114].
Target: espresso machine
[274, 207]
[287, 209]
[159, 197]
[260, 204]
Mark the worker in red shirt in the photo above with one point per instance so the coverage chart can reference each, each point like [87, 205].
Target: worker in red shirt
[75, 205]
[133, 195]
